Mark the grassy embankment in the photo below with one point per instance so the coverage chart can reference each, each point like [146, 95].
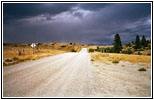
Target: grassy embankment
[16, 53]
[106, 58]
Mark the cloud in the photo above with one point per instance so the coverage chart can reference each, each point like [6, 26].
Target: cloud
[79, 23]
[94, 6]
[25, 10]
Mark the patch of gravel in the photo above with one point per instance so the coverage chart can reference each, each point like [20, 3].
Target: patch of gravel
[123, 79]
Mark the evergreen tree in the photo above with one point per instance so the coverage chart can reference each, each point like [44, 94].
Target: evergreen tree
[137, 42]
[143, 41]
[117, 44]
[148, 41]
[97, 48]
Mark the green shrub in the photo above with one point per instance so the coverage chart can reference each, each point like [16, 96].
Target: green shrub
[15, 58]
[115, 61]
[8, 60]
[63, 46]
[19, 52]
[39, 43]
[4, 64]
[98, 49]
[107, 50]
[142, 69]
[134, 47]
[92, 59]
[140, 49]
[127, 52]
[149, 54]
[128, 44]
[15, 45]
[73, 50]
[139, 53]
[149, 46]
[91, 50]
[124, 52]
[111, 50]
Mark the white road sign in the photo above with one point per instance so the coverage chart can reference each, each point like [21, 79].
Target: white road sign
[33, 45]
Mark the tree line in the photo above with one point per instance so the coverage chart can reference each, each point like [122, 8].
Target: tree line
[138, 45]
[141, 43]
[117, 44]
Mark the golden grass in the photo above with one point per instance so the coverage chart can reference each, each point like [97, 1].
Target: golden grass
[104, 57]
[25, 57]
[11, 51]
[95, 47]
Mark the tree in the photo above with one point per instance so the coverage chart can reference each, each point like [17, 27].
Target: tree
[143, 41]
[128, 44]
[117, 44]
[97, 48]
[148, 41]
[137, 42]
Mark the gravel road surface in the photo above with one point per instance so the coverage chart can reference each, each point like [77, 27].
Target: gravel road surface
[72, 75]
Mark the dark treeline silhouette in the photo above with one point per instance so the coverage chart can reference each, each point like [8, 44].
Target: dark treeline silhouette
[138, 45]
[141, 43]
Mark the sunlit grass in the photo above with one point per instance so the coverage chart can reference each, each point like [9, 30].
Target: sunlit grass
[16, 53]
[113, 57]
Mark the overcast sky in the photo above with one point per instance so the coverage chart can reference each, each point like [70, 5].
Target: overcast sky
[86, 23]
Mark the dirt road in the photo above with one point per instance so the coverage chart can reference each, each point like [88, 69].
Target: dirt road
[71, 75]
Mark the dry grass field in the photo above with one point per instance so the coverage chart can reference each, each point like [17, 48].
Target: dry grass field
[116, 58]
[95, 47]
[16, 53]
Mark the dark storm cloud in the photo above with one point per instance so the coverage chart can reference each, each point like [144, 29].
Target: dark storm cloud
[120, 18]
[22, 10]
[94, 6]
[131, 11]
[88, 23]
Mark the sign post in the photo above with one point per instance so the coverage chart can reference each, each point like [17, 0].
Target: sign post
[33, 45]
